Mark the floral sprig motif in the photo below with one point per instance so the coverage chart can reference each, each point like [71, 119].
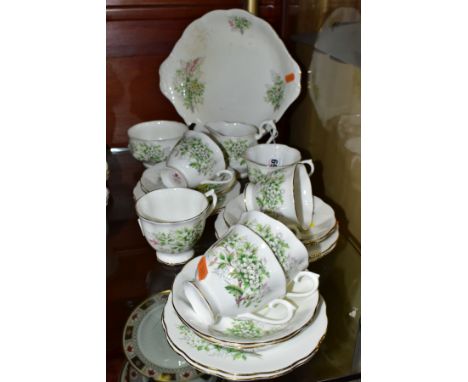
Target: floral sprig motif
[179, 239]
[213, 349]
[235, 149]
[187, 83]
[201, 155]
[243, 268]
[275, 242]
[270, 194]
[245, 329]
[148, 152]
[239, 23]
[255, 175]
[275, 92]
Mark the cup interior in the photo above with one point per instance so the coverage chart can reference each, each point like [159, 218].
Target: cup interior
[232, 129]
[171, 205]
[272, 155]
[303, 199]
[157, 130]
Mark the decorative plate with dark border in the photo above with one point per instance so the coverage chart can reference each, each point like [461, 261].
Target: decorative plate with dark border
[145, 345]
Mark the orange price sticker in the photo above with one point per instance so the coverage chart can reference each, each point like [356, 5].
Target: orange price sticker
[289, 77]
[202, 269]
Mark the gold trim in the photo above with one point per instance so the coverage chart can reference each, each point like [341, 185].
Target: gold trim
[325, 236]
[318, 256]
[243, 376]
[127, 323]
[123, 371]
[247, 345]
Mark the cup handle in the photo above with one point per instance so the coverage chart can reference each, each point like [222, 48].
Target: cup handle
[309, 163]
[228, 172]
[214, 200]
[270, 127]
[141, 227]
[290, 308]
[309, 275]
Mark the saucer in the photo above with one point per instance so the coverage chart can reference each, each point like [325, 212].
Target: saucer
[225, 198]
[323, 248]
[220, 225]
[145, 347]
[129, 374]
[234, 209]
[244, 364]
[138, 192]
[243, 334]
[323, 221]
[151, 178]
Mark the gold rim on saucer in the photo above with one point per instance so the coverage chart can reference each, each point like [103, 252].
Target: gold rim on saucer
[324, 237]
[243, 376]
[246, 345]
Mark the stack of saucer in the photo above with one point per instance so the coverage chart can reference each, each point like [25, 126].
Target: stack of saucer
[247, 298]
[320, 239]
[149, 357]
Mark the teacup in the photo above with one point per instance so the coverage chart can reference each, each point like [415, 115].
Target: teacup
[151, 142]
[151, 178]
[236, 138]
[265, 158]
[196, 158]
[172, 220]
[288, 249]
[238, 275]
[285, 193]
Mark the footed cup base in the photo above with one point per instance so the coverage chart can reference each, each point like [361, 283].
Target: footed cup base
[175, 258]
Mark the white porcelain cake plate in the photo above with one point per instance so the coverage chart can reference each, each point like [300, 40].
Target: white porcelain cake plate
[145, 345]
[243, 334]
[239, 364]
[230, 65]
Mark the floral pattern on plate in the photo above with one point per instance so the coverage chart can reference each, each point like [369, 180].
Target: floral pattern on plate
[237, 261]
[255, 175]
[235, 149]
[270, 193]
[275, 92]
[187, 83]
[239, 23]
[148, 152]
[246, 329]
[202, 345]
[200, 154]
[179, 239]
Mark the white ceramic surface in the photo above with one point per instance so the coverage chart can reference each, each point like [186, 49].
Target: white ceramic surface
[145, 346]
[323, 248]
[286, 193]
[237, 364]
[246, 333]
[323, 221]
[234, 209]
[224, 198]
[172, 220]
[138, 191]
[130, 374]
[238, 275]
[236, 138]
[288, 249]
[151, 178]
[151, 142]
[195, 158]
[263, 159]
[230, 65]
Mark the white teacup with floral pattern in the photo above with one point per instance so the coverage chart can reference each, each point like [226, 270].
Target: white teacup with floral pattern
[237, 276]
[284, 193]
[151, 142]
[172, 220]
[196, 158]
[236, 138]
[265, 158]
